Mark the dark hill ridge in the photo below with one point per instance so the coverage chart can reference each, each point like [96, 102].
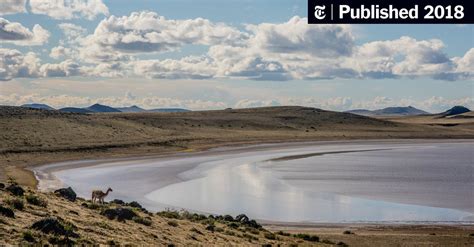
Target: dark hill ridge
[456, 110]
[38, 106]
[390, 111]
[133, 108]
[101, 108]
[75, 110]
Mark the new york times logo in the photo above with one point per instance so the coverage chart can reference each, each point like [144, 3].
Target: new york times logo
[319, 12]
[390, 11]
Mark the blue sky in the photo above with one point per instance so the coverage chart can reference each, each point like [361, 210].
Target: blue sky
[244, 54]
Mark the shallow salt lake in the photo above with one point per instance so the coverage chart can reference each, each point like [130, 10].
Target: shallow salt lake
[403, 181]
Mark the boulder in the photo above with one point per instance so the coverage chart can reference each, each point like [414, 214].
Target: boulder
[121, 214]
[67, 193]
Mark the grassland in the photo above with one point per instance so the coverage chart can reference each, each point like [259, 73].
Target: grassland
[31, 137]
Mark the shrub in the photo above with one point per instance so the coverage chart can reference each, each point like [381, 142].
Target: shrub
[55, 226]
[342, 244]
[16, 204]
[135, 204]
[196, 231]
[15, 190]
[211, 227]
[169, 214]
[233, 225]
[173, 223]
[347, 232]
[471, 235]
[121, 214]
[143, 221]
[7, 212]
[2, 186]
[28, 236]
[269, 235]
[67, 193]
[35, 200]
[307, 237]
[117, 201]
[282, 233]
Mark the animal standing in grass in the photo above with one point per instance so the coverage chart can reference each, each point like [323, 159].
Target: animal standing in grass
[100, 195]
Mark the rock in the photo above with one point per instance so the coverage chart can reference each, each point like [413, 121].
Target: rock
[67, 193]
[120, 214]
[2, 186]
[242, 218]
[7, 212]
[16, 190]
[55, 226]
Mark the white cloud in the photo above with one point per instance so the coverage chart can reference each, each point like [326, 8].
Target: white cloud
[59, 52]
[69, 9]
[143, 32]
[12, 7]
[13, 64]
[15, 33]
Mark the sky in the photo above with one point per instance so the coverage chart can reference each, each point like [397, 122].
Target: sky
[213, 54]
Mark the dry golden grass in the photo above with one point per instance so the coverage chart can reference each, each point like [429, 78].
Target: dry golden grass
[94, 228]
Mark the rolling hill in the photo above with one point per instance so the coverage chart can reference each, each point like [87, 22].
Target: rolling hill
[38, 106]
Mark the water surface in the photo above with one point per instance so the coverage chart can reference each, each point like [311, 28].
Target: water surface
[405, 181]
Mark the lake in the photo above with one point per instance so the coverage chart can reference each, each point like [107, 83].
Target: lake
[321, 182]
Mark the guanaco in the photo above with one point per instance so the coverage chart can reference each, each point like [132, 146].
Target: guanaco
[99, 195]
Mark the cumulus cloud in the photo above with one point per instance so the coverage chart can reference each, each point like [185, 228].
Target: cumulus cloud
[248, 103]
[297, 37]
[12, 7]
[143, 32]
[14, 32]
[69, 9]
[14, 64]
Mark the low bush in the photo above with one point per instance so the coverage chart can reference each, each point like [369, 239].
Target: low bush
[307, 237]
[35, 200]
[16, 204]
[143, 221]
[117, 201]
[342, 244]
[15, 190]
[269, 235]
[169, 214]
[173, 223]
[7, 212]
[347, 232]
[282, 233]
[121, 214]
[55, 226]
[28, 236]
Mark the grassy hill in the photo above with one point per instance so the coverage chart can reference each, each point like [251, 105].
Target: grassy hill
[35, 136]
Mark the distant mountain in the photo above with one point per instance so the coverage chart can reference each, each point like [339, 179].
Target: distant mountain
[75, 110]
[133, 108]
[390, 111]
[101, 108]
[455, 111]
[38, 106]
[169, 110]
